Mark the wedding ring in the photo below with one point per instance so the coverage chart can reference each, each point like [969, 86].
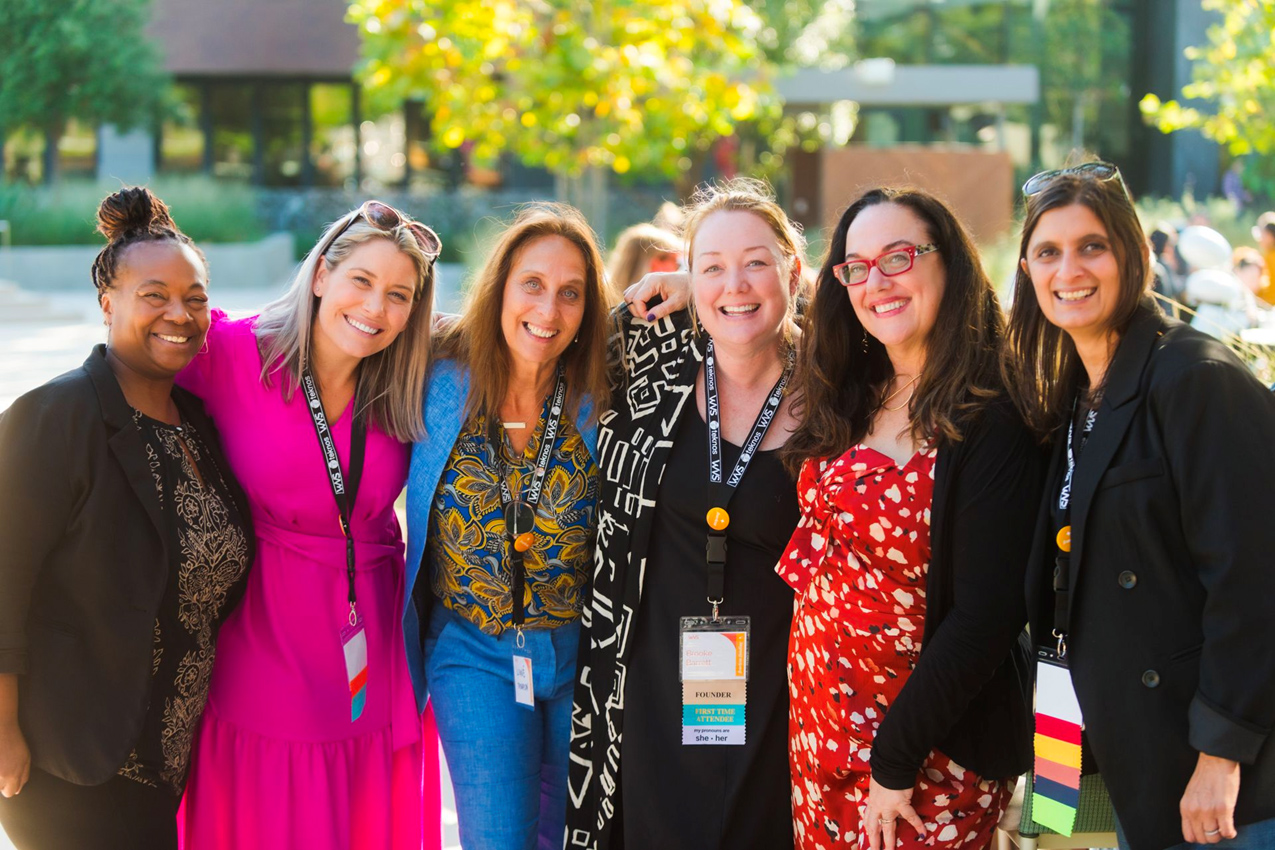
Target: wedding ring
[1212, 831]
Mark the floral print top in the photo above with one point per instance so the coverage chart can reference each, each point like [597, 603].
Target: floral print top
[209, 550]
[471, 574]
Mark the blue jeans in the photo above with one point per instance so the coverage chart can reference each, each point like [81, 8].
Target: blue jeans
[1253, 836]
[508, 763]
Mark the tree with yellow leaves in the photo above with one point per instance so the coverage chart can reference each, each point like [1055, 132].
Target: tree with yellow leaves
[1235, 74]
[579, 87]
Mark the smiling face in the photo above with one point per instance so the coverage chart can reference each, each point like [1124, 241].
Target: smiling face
[157, 308]
[900, 311]
[365, 301]
[1074, 270]
[741, 284]
[543, 302]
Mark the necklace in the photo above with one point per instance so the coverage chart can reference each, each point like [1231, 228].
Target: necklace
[886, 401]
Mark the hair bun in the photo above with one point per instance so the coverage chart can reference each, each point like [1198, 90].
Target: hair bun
[132, 210]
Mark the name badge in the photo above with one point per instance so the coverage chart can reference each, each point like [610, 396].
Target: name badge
[354, 646]
[713, 670]
[524, 686]
[1056, 775]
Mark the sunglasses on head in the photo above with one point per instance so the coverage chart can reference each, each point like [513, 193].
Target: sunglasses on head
[1100, 171]
[385, 217]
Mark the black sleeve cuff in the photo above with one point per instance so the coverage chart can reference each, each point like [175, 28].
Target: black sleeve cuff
[13, 661]
[1217, 734]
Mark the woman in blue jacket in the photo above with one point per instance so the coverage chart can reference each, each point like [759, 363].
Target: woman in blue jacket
[501, 500]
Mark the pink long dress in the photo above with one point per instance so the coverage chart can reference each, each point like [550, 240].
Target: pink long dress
[278, 762]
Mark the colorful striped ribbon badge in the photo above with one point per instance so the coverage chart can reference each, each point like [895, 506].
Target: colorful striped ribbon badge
[1056, 783]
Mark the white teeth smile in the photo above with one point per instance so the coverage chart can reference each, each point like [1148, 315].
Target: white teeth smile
[538, 332]
[177, 340]
[367, 329]
[888, 306]
[1075, 294]
[740, 309]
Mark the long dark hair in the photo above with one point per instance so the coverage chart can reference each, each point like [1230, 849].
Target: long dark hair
[1041, 367]
[841, 384]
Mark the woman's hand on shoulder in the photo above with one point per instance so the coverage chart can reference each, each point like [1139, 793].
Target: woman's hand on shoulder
[672, 288]
[15, 759]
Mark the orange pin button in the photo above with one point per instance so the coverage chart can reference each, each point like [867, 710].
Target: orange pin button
[1064, 538]
[718, 519]
[523, 542]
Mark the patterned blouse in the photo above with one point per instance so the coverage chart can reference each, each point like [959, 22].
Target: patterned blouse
[467, 529]
[204, 582]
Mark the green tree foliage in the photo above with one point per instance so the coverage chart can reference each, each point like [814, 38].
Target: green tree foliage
[634, 86]
[1235, 75]
[85, 59]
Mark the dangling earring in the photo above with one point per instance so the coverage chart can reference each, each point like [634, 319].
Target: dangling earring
[577, 339]
[865, 340]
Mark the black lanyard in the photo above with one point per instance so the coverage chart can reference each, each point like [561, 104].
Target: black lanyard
[719, 492]
[520, 511]
[1062, 538]
[343, 494]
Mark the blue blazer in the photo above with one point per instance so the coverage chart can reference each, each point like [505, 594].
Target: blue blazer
[444, 417]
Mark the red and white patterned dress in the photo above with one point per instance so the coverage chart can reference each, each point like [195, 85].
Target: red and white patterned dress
[858, 561]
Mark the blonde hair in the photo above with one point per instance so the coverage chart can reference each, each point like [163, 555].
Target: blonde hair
[391, 388]
[477, 341]
[745, 194]
[637, 245]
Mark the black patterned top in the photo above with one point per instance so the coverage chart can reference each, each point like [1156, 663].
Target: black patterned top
[208, 551]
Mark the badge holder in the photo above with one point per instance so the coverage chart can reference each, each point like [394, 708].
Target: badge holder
[354, 647]
[713, 670]
[520, 521]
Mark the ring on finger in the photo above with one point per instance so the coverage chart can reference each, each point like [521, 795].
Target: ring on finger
[1212, 831]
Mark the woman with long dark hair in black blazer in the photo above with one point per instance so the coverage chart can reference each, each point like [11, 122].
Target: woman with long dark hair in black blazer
[1151, 568]
[125, 544]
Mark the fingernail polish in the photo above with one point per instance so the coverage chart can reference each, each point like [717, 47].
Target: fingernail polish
[650, 317]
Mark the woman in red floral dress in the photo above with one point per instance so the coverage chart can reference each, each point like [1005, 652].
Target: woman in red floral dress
[918, 489]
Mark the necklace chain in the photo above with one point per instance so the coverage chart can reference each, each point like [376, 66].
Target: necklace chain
[886, 401]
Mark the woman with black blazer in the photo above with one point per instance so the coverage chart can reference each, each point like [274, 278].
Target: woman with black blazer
[907, 661]
[1151, 567]
[125, 544]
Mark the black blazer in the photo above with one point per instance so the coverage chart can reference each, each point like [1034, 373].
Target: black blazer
[1172, 639]
[986, 489]
[83, 567]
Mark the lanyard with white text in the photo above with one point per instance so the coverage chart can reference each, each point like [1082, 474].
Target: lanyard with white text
[1062, 562]
[719, 493]
[520, 511]
[343, 491]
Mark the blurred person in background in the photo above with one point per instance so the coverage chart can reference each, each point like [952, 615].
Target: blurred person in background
[1264, 236]
[126, 544]
[640, 249]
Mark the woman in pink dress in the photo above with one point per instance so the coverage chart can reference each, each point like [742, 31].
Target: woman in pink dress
[312, 736]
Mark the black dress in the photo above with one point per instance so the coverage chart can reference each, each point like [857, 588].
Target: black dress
[703, 797]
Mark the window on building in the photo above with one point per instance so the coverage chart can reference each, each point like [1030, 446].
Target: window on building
[77, 151]
[181, 137]
[282, 118]
[230, 113]
[332, 145]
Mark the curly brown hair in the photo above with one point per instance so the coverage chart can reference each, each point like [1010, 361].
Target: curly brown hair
[125, 218]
